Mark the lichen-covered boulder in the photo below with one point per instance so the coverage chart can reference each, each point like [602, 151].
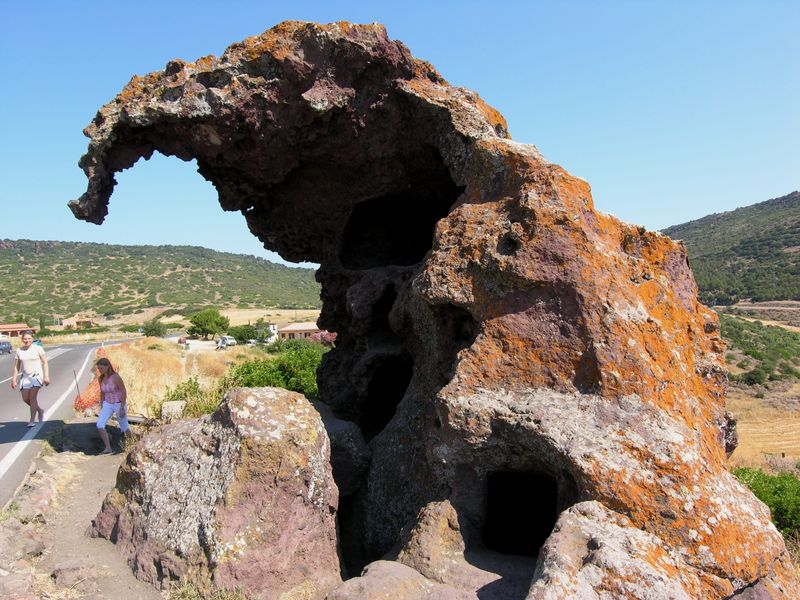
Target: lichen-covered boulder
[502, 346]
[243, 498]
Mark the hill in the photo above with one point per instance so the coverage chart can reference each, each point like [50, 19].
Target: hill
[46, 278]
[751, 252]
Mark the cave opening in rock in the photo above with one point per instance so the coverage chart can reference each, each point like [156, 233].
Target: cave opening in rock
[380, 330]
[397, 228]
[353, 555]
[458, 330]
[386, 389]
[521, 511]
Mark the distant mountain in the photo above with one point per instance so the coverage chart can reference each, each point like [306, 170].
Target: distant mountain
[751, 252]
[65, 278]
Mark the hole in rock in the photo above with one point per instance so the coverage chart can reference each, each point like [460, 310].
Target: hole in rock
[521, 511]
[386, 388]
[353, 554]
[458, 330]
[508, 245]
[380, 330]
[397, 228]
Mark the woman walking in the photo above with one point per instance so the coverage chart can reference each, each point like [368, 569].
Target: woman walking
[113, 396]
[30, 365]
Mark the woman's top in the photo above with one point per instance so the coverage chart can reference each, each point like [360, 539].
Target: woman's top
[111, 392]
[30, 361]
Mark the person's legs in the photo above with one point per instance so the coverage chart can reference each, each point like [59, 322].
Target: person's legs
[105, 414]
[123, 422]
[106, 442]
[35, 408]
[29, 397]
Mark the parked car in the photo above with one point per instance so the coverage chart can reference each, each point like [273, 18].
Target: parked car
[5, 347]
[228, 340]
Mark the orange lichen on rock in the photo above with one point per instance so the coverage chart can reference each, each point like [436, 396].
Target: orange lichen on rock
[528, 384]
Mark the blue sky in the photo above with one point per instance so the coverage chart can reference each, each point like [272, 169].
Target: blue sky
[671, 110]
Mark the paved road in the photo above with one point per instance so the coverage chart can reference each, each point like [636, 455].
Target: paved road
[20, 444]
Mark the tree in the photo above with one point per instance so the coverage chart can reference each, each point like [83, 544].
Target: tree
[242, 333]
[154, 328]
[207, 322]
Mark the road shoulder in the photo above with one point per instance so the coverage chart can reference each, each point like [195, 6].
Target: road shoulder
[45, 550]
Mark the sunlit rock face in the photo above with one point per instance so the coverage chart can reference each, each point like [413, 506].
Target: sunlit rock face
[243, 498]
[541, 393]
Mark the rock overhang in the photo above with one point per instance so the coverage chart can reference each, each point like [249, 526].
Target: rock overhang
[492, 325]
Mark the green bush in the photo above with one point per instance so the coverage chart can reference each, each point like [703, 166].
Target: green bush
[294, 368]
[198, 401]
[775, 349]
[781, 493]
[154, 328]
[242, 333]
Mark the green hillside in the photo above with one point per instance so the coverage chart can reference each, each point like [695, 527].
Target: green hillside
[65, 278]
[751, 252]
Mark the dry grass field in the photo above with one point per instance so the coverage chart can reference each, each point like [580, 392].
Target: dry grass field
[237, 316]
[151, 365]
[243, 316]
[768, 417]
[769, 427]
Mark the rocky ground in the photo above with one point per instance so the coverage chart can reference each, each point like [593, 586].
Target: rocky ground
[45, 552]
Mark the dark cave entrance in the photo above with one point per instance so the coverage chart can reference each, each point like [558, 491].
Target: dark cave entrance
[386, 389]
[397, 228]
[521, 511]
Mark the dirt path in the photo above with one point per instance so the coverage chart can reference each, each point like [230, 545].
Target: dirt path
[52, 514]
[770, 322]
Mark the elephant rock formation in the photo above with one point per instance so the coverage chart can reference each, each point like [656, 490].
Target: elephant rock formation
[541, 393]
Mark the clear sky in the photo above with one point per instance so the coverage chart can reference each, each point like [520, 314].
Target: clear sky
[670, 109]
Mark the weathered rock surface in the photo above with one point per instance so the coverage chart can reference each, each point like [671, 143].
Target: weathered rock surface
[503, 347]
[243, 499]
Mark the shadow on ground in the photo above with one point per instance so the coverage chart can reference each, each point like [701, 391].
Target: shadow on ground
[79, 435]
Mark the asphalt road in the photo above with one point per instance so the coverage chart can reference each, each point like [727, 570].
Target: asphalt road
[19, 445]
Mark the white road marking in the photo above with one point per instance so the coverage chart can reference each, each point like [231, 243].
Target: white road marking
[51, 354]
[20, 446]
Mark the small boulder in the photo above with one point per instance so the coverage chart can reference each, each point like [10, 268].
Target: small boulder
[387, 579]
[243, 498]
[172, 410]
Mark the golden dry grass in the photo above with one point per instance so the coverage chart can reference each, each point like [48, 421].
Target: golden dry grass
[147, 366]
[242, 316]
[206, 365]
[151, 365]
[769, 427]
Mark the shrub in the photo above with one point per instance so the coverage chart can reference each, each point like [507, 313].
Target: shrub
[294, 368]
[781, 493]
[774, 350]
[198, 401]
[154, 328]
[755, 377]
[242, 333]
[189, 592]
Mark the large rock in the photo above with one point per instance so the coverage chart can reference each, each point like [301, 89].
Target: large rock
[242, 499]
[503, 346]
